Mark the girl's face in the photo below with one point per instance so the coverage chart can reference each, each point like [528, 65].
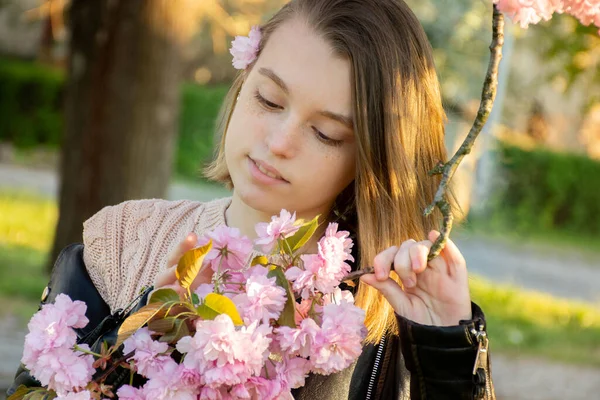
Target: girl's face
[290, 142]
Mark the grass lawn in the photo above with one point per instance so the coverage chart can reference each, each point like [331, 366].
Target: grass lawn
[519, 322]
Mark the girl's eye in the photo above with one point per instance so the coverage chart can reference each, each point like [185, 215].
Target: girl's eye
[268, 104]
[326, 139]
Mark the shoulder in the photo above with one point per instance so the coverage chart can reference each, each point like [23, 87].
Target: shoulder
[125, 244]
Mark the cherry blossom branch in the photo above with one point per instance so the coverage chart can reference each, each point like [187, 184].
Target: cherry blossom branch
[447, 170]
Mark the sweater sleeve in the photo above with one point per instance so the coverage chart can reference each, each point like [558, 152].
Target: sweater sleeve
[126, 245]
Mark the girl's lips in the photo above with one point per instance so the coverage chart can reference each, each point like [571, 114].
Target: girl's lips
[264, 173]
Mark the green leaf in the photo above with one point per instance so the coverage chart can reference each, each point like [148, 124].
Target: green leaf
[286, 318]
[139, 319]
[216, 304]
[163, 296]
[195, 299]
[190, 264]
[302, 235]
[22, 391]
[180, 329]
[162, 325]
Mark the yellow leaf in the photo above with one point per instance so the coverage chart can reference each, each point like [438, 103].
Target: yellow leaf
[215, 304]
[262, 260]
[190, 264]
[139, 319]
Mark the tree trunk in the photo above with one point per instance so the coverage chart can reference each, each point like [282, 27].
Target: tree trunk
[121, 108]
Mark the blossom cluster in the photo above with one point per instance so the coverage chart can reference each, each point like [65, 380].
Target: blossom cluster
[293, 320]
[50, 351]
[526, 12]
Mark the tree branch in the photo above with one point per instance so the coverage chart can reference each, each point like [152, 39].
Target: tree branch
[447, 170]
[488, 95]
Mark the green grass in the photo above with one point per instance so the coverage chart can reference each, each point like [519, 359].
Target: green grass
[519, 322]
[525, 322]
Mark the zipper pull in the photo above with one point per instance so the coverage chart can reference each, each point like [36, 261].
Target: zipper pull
[481, 360]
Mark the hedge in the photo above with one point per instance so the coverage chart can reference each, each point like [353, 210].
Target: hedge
[30, 102]
[31, 97]
[546, 190]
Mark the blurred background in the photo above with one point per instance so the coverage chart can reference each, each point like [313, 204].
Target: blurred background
[103, 101]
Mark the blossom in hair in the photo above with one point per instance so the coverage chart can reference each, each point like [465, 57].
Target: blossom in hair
[245, 48]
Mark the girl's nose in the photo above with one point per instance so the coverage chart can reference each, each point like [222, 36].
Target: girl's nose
[283, 141]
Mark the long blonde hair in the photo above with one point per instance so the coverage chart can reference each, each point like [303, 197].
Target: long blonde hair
[398, 123]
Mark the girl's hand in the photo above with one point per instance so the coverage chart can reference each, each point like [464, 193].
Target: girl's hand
[435, 293]
[168, 279]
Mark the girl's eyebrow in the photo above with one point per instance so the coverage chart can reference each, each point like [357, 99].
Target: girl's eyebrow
[345, 120]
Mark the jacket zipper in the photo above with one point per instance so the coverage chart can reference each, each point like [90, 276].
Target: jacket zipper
[375, 368]
[480, 369]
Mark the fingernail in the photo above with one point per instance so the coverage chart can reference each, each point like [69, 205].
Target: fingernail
[408, 282]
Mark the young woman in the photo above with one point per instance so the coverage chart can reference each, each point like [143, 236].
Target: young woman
[339, 114]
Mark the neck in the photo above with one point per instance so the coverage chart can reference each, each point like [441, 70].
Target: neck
[240, 215]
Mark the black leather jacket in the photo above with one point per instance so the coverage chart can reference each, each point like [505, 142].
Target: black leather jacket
[424, 362]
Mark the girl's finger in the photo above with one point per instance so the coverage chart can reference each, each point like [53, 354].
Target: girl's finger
[391, 291]
[418, 255]
[383, 261]
[451, 254]
[403, 265]
[185, 245]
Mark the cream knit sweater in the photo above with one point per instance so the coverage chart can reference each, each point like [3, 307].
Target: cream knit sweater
[127, 245]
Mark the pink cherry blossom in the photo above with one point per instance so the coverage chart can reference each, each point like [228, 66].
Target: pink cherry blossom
[279, 228]
[209, 393]
[293, 371]
[263, 299]
[318, 275]
[73, 312]
[230, 249]
[335, 246]
[204, 289]
[63, 370]
[298, 341]
[267, 389]
[339, 341]
[168, 385]
[83, 395]
[245, 48]
[149, 358]
[223, 355]
[51, 327]
[338, 296]
[526, 12]
[302, 310]
[127, 392]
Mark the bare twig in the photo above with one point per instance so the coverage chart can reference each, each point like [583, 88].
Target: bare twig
[447, 170]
